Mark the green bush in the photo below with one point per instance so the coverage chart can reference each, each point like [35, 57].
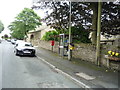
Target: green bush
[79, 35]
[51, 35]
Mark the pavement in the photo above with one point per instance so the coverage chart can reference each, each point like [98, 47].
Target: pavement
[82, 72]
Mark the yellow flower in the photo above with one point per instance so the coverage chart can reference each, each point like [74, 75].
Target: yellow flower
[116, 54]
[113, 53]
[109, 52]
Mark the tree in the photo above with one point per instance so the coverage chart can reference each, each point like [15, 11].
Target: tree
[80, 35]
[50, 35]
[111, 18]
[85, 14]
[25, 21]
[1, 27]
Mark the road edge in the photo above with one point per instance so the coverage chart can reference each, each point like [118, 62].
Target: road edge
[69, 76]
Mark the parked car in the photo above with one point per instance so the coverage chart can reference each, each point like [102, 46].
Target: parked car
[0, 40]
[19, 41]
[9, 40]
[13, 41]
[24, 48]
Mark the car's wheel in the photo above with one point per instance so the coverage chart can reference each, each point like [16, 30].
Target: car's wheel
[33, 55]
[16, 53]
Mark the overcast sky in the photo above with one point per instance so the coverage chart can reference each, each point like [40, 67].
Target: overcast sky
[10, 8]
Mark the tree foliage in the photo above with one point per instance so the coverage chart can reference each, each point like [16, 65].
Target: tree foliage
[111, 18]
[50, 35]
[85, 14]
[25, 21]
[1, 27]
[79, 35]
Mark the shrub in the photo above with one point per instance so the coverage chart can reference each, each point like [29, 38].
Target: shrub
[50, 36]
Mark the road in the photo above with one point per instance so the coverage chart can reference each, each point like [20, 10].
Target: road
[0, 67]
[29, 72]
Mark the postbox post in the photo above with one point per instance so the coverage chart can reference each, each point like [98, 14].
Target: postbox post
[52, 44]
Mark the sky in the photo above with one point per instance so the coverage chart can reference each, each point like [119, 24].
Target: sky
[9, 10]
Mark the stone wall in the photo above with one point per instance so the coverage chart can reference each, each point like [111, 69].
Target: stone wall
[86, 52]
[47, 45]
[35, 39]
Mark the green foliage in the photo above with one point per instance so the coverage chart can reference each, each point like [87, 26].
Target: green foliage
[83, 13]
[24, 22]
[50, 36]
[80, 35]
[17, 34]
[1, 27]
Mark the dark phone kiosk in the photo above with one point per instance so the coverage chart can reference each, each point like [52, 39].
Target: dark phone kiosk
[63, 45]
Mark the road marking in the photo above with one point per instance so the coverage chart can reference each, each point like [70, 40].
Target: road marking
[60, 71]
[85, 76]
[47, 62]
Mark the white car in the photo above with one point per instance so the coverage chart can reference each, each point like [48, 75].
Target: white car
[0, 40]
[24, 48]
[13, 41]
[18, 41]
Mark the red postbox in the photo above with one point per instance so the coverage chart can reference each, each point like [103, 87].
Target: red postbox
[52, 43]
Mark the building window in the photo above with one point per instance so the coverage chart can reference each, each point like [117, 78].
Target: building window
[32, 36]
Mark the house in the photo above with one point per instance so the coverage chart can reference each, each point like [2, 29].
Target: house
[35, 35]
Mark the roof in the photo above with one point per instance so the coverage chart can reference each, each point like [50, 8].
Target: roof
[43, 27]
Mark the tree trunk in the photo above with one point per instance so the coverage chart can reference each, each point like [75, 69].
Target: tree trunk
[94, 7]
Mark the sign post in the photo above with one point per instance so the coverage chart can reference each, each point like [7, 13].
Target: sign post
[69, 51]
[98, 33]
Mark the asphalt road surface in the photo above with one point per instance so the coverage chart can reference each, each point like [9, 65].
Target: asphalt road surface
[28, 72]
[0, 67]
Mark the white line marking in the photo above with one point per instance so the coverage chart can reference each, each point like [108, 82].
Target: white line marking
[77, 81]
[85, 76]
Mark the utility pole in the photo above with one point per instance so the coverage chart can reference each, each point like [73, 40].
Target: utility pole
[69, 51]
[98, 33]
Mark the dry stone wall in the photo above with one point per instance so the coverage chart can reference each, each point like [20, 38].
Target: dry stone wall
[86, 52]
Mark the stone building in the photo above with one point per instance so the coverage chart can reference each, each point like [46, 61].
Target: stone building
[36, 35]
